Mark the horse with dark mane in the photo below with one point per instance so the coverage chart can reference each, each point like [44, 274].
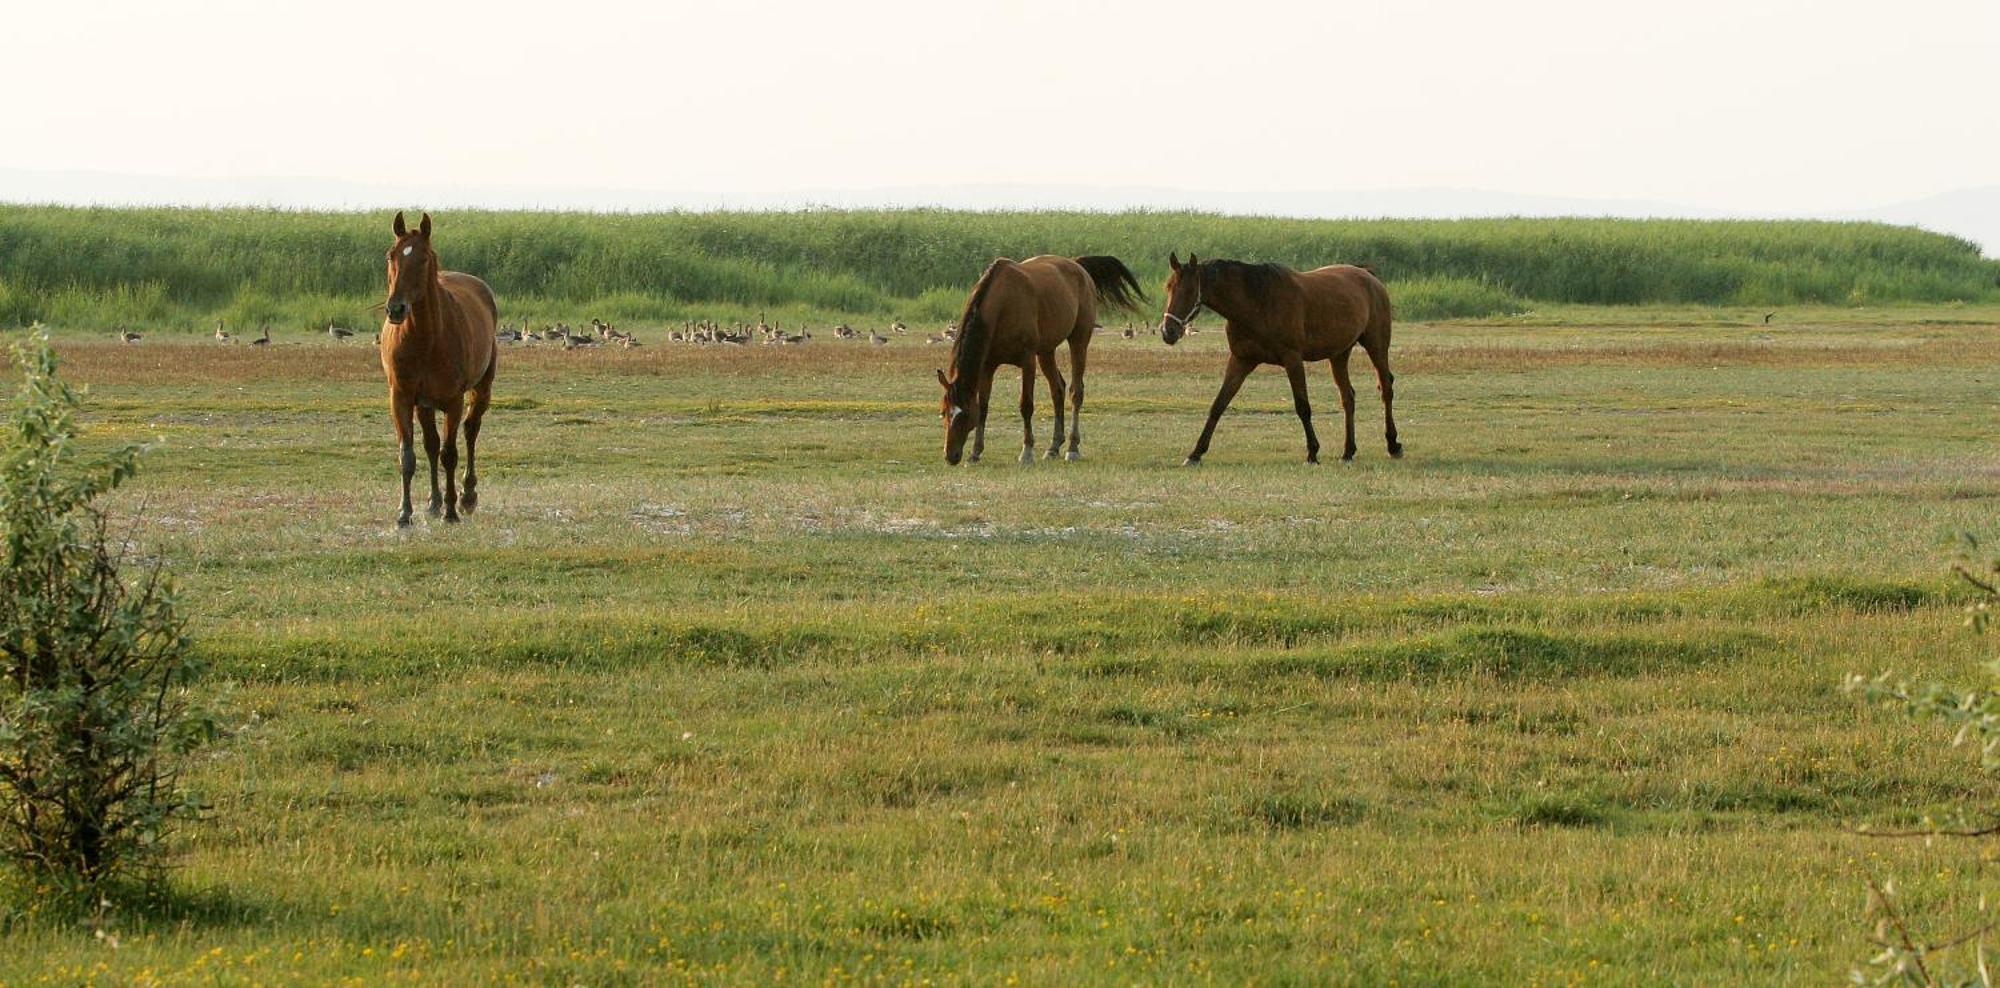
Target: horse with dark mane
[1019, 312]
[437, 345]
[1275, 315]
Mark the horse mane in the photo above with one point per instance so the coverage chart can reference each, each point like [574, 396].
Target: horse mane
[1258, 278]
[969, 349]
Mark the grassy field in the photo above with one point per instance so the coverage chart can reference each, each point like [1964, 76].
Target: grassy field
[732, 680]
[184, 268]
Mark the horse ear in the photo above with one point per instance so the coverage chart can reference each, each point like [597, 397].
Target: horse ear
[401, 227]
[1173, 260]
[941, 380]
[1191, 261]
[425, 227]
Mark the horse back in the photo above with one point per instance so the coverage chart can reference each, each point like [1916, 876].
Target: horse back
[1343, 301]
[479, 318]
[1063, 295]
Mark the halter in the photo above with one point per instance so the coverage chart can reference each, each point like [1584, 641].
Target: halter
[1195, 310]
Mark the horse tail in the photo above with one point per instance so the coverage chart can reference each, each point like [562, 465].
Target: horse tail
[1113, 280]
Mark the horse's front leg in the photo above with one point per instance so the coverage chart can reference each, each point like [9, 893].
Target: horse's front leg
[1048, 362]
[979, 432]
[1027, 412]
[427, 414]
[401, 410]
[1232, 382]
[1295, 369]
[453, 413]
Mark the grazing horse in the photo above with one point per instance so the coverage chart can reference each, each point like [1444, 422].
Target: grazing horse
[1019, 312]
[1279, 316]
[437, 344]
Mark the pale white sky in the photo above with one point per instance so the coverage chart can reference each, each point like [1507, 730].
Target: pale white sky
[1761, 106]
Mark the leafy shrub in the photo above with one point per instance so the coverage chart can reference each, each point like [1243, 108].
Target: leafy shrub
[96, 712]
[1904, 957]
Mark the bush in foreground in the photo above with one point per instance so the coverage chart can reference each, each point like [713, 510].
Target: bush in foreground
[96, 712]
[1908, 955]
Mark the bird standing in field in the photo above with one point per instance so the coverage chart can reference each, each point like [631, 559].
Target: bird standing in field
[222, 335]
[338, 332]
[264, 339]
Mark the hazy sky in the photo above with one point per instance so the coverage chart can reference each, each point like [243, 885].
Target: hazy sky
[1749, 105]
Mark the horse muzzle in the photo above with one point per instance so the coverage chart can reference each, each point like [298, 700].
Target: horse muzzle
[398, 311]
[1170, 331]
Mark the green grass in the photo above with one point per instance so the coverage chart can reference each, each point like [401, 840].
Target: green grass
[732, 680]
[184, 268]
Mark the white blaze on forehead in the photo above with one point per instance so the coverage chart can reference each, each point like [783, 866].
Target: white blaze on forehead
[407, 250]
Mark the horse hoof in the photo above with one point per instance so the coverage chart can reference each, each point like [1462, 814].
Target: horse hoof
[468, 503]
[451, 518]
[1027, 457]
[1347, 456]
[1396, 451]
[402, 521]
[1192, 461]
[1054, 454]
[1073, 456]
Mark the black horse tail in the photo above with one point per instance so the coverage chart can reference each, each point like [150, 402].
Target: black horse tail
[1114, 281]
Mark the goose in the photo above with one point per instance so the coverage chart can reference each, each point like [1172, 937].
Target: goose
[898, 328]
[877, 338]
[130, 337]
[338, 332]
[221, 334]
[264, 339]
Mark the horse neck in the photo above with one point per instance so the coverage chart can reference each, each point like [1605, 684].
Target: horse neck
[1224, 294]
[968, 358]
[429, 318]
[968, 352]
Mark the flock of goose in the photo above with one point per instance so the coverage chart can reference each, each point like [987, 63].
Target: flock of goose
[695, 331]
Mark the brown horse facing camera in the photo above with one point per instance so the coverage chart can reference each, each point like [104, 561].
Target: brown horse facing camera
[1275, 315]
[437, 344]
[1019, 312]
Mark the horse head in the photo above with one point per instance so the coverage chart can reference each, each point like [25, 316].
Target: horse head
[958, 419]
[412, 267]
[1184, 298]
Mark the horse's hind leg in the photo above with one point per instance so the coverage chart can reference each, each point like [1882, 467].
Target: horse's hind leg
[1346, 398]
[1078, 353]
[1048, 362]
[453, 413]
[428, 416]
[1027, 412]
[1378, 354]
[1295, 369]
[481, 397]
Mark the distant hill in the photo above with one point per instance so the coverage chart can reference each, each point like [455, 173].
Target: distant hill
[1970, 213]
